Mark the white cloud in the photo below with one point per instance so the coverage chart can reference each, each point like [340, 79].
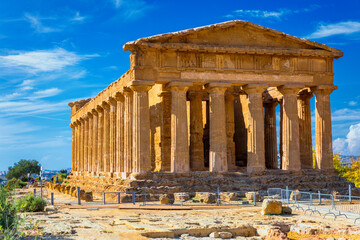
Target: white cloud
[36, 24]
[45, 93]
[257, 13]
[326, 30]
[351, 144]
[78, 18]
[346, 114]
[42, 60]
[132, 8]
[352, 103]
[268, 14]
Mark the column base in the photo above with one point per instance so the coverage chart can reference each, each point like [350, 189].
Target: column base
[255, 170]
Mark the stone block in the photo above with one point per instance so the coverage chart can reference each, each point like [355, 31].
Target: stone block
[270, 206]
[250, 196]
[167, 199]
[286, 210]
[295, 193]
[229, 196]
[182, 196]
[207, 198]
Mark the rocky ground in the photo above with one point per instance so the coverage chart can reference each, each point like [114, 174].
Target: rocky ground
[238, 222]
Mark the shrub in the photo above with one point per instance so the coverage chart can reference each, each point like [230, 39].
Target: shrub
[30, 203]
[14, 183]
[61, 177]
[22, 168]
[8, 218]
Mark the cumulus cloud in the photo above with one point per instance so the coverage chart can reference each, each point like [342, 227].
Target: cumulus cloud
[340, 28]
[42, 60]
[351, 144]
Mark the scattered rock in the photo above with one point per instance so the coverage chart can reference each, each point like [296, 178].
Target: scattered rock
[336, 194]
[166, 199]
[60, 228]
[182, 196]
[50, 209]
[355, 192]
[225, 235]
[286, 210]
[271, 206]
[214, 235]
[297, 194]
[229, 196]
[250, 196]
[207, 198]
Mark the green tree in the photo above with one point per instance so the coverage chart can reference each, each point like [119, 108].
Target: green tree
[22, 168]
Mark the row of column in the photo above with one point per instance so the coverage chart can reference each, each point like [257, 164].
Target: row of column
[115, 137]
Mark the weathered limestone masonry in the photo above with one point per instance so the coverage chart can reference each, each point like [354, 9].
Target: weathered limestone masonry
[201, 103]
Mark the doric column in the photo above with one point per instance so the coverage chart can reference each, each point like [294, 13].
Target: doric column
[179, 128]
[119, 148]
[230, 130]
[218, 149]
[73, 147]
[95, 157]
[141, 126]
[290, 121]
[90, 142]
[196, 132]
[323, 131]
[106, 139]
[100, 162]
[78, 142]
[82, 145]
[304, 113]
[255, 126]
[271, 160]
[128, 94]
[86, 138]
[112, 136]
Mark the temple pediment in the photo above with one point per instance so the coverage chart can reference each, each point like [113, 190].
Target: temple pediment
[231, 35]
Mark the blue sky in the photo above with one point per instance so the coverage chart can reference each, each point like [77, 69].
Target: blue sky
[54, 52]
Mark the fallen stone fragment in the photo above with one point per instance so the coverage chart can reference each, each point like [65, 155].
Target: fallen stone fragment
[271, 206]
[166, 199]
[286, 210]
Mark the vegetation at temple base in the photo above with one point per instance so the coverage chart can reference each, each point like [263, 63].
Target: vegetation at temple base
[14, 183]
[31, 203]
[8, 218]
[351, 172]
[21, 169]
[60, 177]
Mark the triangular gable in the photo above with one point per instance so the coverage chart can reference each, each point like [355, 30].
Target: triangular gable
[235, 33]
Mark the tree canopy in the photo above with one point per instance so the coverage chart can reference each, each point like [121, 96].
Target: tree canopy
[22, 168]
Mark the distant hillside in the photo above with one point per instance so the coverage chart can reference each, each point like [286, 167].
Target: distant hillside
[346, 159]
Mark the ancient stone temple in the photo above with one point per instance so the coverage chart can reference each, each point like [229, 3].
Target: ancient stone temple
[204, 101]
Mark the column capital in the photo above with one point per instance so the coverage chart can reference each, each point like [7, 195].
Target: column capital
[119, 97]
[323, 89]
[72, 125]
[290, 89]
[217, 87]
[127, 92]
[99, 109]
[105, 105]
[94, 112]
[254, 88]
[111, 101]
[305, 93]
[141, 85]
[179, 86]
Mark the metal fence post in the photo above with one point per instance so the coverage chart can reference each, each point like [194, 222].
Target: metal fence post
[287, 194]
[133, 197]
[104, 199]
[218, 196]
[79, 198]
[52, 198]
[332, 202]
[319, 197]
[41, 188]
[118, 198]
[311, 199]
[34, 191]
[254, 198]
[144, 196]
[350, 193]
